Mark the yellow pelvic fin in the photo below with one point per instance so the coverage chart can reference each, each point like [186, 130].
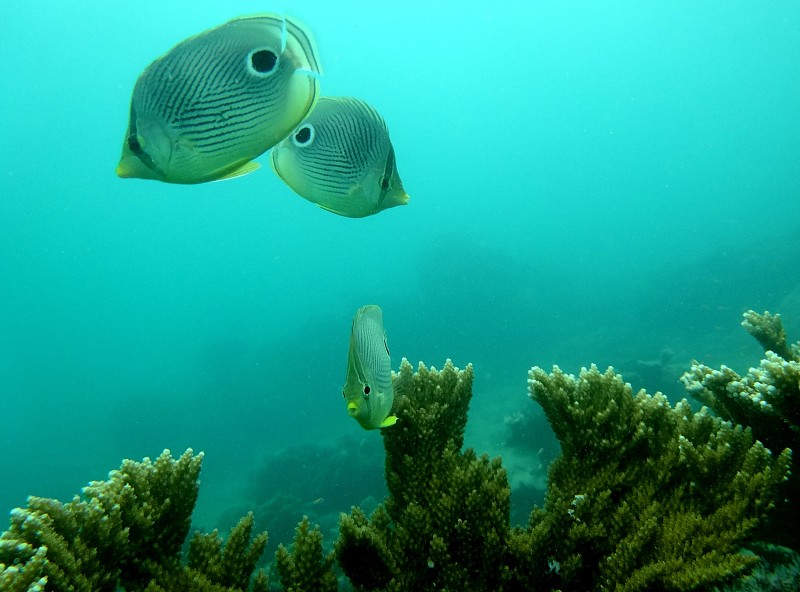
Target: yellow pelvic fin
[389, 421]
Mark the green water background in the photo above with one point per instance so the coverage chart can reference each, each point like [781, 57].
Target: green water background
[589, 182]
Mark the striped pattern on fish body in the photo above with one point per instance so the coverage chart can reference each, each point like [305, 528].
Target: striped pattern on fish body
[341, 158]
[216, 101]
[368, 389]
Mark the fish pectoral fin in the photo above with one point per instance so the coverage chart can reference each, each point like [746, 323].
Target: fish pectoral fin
[389, 421]
[241, 171]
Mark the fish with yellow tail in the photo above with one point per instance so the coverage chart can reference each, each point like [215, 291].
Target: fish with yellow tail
[369, 388]
[204, 110]
[341, 159]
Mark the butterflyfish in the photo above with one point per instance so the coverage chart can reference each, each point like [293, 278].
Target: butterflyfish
[368, 388]
[205, 109]
[341, 159]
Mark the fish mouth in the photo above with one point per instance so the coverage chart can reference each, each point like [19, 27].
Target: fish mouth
[352, 409]
[124, 170]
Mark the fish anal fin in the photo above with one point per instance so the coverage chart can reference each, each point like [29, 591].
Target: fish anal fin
[241, 171]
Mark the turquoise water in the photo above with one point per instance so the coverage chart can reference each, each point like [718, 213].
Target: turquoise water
[589, 183]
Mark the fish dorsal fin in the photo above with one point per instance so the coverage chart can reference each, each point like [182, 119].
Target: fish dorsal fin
[241, 171]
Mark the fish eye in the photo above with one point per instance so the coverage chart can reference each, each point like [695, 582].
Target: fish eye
[263, 61]
[343, 395]
[367, 391]
[303, 136]
[385, 183]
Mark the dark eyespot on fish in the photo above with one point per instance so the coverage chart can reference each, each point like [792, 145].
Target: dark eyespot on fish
[263, 61]
[304, 135]
[214, 102]
[341, 159]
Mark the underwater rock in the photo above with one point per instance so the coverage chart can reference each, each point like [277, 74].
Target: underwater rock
[317, 480]
[777, 570]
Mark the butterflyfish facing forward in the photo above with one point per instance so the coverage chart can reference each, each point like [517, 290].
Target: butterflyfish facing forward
[368, 387]
[214, 102]
[341, 159]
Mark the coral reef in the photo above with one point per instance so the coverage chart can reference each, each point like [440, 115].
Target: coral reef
[446, 521]
[304, 568]
[643, 497]
[767, 400]
[230, 563]
[126, 532]
[768, 330]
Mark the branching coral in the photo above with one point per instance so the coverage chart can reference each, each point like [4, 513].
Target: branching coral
[766, 399]
[644, 496]
[125, 532]
[768, 330]
[229, 563]
[304, 568]
[445, 523]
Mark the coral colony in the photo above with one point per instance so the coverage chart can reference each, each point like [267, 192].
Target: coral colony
[643, 496]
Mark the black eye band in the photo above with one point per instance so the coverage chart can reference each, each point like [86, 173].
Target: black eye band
[388, 171]
[136, 148]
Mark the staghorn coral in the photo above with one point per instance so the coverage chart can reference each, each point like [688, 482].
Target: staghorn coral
[446, 520]
[127, 533]
[767, 400]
